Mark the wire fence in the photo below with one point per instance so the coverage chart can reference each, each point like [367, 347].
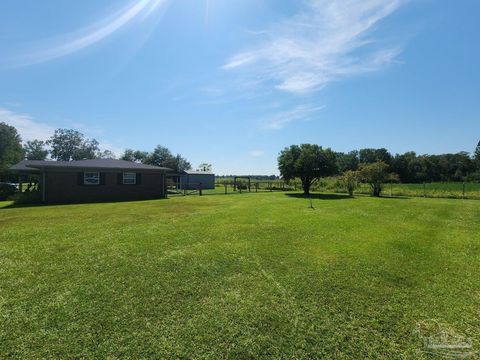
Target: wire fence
[452, 190]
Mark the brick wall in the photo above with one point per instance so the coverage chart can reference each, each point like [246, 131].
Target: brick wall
[63, 187]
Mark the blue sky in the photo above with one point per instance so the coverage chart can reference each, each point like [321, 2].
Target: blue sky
[232, 82]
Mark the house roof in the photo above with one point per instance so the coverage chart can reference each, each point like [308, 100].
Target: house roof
[194, 172]
[102, 164]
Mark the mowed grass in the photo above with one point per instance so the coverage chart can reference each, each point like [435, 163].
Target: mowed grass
[238, 276]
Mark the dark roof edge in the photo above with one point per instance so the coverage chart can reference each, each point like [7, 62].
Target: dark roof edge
[131, 169]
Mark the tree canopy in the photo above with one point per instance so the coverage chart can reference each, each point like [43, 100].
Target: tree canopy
[11, 150]
[67, 145]
[375, 174]
[413, 168]
[35, 150]
[308, 162]
[160, 156]
[134, 155]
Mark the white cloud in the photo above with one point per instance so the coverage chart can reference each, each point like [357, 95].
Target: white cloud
[27, 127]
[331, 39]
[31, 129]
[299, 113]
[93, 34]
[257, 153]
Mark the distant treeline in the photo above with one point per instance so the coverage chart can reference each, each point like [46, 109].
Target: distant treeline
[252, 177]
[413, 168]
[410, 167]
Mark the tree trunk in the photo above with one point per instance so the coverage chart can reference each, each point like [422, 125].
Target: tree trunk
[306, 184]
[377, 189]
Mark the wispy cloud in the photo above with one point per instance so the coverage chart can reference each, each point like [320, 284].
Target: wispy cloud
[299, 113]
[27, 127]
[329, 40]
[256, 153]
[91, 35]
[31, 129]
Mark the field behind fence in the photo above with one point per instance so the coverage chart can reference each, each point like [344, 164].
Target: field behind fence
[454, 190]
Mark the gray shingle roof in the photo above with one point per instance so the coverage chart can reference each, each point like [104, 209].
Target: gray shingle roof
[106, 164]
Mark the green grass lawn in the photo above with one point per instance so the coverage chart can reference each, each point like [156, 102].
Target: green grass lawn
[238, 276]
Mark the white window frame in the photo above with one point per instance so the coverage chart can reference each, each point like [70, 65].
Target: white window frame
[131, 180]
[88, 174]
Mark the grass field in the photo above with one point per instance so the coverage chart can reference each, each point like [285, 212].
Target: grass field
[239, 276]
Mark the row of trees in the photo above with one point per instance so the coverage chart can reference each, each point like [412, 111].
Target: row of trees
[67, 145]
[374, 166]
[413, 168]
[63, 145]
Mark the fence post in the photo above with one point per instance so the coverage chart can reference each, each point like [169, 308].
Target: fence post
[200, 189]
[225, 184]
[391, 191]
[424, 190]
[463, 191]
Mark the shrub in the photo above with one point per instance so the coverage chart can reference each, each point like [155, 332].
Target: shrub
[376, 175]
[28, 197]
[7, 190]
[350, 181]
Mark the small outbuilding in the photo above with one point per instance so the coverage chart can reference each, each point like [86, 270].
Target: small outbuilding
[194, 180]
[94, 180]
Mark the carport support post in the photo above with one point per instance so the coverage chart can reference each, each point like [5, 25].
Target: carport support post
[43, 186]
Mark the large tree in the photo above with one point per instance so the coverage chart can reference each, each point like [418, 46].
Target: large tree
[307, 162]
[160, 156]
[11, 150]
[178, 163]
[35, 150]
[106, 154]
[369, 156]
[346, 162]
[69, 145]
[134, 155]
